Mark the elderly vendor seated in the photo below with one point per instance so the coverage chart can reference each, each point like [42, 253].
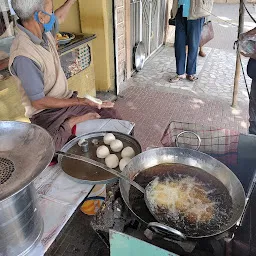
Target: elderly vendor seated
[35, 64]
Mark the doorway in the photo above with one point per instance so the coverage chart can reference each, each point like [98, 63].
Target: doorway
[147, 24]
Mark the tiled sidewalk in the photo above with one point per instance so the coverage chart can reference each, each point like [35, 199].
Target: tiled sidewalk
[151, 101]
[152, 110]
[215, 71]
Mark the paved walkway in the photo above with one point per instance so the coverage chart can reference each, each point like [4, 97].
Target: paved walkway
[216, 75]
[151, 101]
[152, 110]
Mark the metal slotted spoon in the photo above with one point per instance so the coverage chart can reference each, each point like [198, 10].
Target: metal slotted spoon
[154, 225]
[102, 166]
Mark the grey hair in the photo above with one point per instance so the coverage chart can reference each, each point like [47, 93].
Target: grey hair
[25, 9]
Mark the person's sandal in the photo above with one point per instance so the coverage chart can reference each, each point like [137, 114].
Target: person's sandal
[177, 78]
[192, 78]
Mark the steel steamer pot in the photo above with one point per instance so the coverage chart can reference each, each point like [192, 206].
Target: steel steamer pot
[25, 151]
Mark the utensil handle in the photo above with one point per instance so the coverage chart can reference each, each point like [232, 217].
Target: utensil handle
[102, 166]
[184, 132]
[161, 228]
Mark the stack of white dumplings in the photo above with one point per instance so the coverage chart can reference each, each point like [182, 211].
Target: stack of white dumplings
[116, 146]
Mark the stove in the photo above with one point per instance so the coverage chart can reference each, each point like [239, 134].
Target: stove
[114, 214]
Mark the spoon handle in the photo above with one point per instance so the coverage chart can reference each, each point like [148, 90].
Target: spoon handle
[102, 166]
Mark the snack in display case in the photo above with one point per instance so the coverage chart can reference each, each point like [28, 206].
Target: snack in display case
[75, 61]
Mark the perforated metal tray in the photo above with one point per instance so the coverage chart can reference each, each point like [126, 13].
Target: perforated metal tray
[86, 173]
[25, 151]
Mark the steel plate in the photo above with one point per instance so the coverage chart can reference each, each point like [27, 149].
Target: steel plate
[86, 173]
[140, 56]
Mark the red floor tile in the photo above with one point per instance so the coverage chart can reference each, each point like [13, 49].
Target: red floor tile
[152, 110]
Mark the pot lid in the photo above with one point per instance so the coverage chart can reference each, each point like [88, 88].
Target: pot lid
[25, 151]
[140, 56]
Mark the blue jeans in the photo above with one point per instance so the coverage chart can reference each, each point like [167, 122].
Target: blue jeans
[252, 108]
[187, 32]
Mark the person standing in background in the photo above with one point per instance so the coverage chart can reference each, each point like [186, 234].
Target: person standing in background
[251, 71]
[189, 17]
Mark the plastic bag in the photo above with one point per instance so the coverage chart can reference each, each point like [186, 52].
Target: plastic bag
[247, 43]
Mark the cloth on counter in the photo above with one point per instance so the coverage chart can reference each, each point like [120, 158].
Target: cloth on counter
[55, 120]
[105, 125]
[222, 144]
[58, 198]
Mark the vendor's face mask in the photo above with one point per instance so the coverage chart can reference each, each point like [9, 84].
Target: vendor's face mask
[48, 26]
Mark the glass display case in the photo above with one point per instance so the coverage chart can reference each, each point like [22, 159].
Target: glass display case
[76, 60]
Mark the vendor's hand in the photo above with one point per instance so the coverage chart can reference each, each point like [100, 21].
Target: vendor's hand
[247, 34]
[107, 104]
[84, 101]
[253, 56]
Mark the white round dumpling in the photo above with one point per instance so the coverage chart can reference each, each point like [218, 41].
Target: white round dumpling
[124, 161]
[102, 152]
[108, 138]
[112, 161]
[128, 152]
[116, 145]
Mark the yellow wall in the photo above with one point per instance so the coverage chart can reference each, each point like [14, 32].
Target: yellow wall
[10, 103]
[96, 18]
[72, 22]
[84, 82]
[109, 31]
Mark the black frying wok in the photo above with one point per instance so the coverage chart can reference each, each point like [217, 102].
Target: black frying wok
[203, 167]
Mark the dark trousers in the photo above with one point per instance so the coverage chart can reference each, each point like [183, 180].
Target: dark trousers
[55, 121]
[252, 108]
[187, 32]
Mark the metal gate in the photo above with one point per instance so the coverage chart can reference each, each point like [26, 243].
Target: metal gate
[147, 25]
